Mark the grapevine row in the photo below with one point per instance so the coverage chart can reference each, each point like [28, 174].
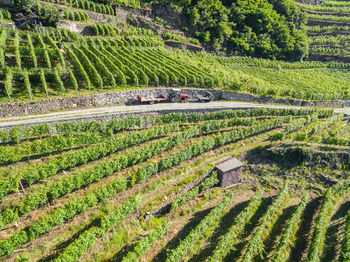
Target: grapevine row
[145, 243]
[206, 184]
[230, 238]
[75, 181]
[181, 250]
[88, 238]
[79, 157]
[329, 201]
[51, 144]
[289, 232]
[255, 244]
[60, 216]
[345, 250]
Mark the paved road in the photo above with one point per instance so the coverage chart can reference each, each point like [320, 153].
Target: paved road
[99, 111]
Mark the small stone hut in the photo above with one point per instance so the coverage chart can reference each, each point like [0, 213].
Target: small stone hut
[229, 171]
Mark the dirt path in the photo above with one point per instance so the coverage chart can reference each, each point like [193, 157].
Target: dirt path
[98, 112]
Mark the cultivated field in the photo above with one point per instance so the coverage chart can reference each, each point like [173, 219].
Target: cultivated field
[142, 188]
[141, 185]
[59, 62]
[328, 30]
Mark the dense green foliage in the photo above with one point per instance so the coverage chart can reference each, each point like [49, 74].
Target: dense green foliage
[270, 29]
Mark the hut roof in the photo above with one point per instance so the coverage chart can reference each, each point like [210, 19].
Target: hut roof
[229, 165]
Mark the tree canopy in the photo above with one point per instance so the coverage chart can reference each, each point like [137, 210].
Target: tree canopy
[263, 28]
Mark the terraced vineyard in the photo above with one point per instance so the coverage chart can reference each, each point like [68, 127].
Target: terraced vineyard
[142, 185]
[328, 30]
[52, 62]
[35, 67]
[142, 188]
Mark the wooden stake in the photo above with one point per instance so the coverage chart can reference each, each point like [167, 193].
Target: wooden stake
[21, 186]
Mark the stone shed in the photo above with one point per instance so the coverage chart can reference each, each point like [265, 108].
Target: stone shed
[229, 171]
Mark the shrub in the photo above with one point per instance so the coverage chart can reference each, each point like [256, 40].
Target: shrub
[17, 53]
[32, 50]
[8, 82]
[16, 134]
[43, 81]
[27, 83]
[59, 81]
[23, 5]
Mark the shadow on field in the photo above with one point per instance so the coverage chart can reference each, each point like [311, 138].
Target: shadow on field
[237, 250]
[123, 252]
[197, 217]
[333, 236]
[303, 234]
[60, 247]
[271, 240]
[224, 226]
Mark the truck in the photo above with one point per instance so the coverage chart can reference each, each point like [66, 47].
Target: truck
[174, 95]
[207, 97]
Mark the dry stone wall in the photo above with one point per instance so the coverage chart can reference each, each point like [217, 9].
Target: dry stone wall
[5, 3]
[83, 29]
[130, 97]
[185, 46]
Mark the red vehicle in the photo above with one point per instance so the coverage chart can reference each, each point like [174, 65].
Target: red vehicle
[174, 96]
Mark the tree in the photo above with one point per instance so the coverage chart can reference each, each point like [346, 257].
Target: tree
[263, 28]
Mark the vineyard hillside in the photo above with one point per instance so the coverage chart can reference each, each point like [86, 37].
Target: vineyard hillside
[73, 48]
[92, 170]
[328, 30]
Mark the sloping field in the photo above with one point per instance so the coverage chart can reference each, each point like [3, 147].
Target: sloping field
[142, 188]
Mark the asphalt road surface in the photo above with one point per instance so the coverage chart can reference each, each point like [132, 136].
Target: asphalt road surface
[99, 111]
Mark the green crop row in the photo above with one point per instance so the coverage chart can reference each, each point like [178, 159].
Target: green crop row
[320, 227]
[272, 64]
[76, 15]
[93, 174]
[87, 239]
[330, 50]
[327, 29]
[51, 144]
[323, 125]
[336, 3]
[345, 250]
[294, 125]
[226, 242]
[145, 243]
[186, 244]
[204, 185]
[57, 217]
[320, 8]
[66, 160]
[87, 5]
[329, 18]
[255, 244]
[225, 114]
[288, 234]
[16, 134]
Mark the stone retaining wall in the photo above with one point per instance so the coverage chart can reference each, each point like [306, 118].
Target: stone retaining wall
[83, 29]
[5, 3]
[185, 46]
[130, 97]
[122, 13]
